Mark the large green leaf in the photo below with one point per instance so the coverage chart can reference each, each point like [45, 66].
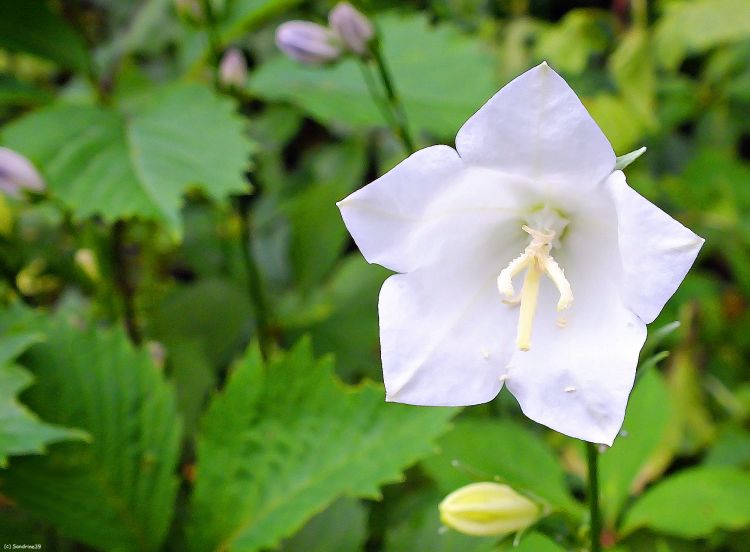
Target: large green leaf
[342, 527]
[116, 493]
[695, 26]
[101, 161]
[643, 430]
[318, 235]
[442, 76]
[694, 503]
[482, 449]
[283, 441]
[21, 431]
[30, 26]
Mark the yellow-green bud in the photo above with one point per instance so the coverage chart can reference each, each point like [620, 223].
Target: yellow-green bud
[484, 509]
[86, 261]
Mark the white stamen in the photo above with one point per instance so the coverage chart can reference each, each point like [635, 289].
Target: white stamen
[536, 259]
[570, 389]
[485, 353]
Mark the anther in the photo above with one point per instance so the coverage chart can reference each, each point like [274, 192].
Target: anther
[536, 259]
[570, 389]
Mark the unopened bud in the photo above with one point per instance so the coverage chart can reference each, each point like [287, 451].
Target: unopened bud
[308, 42]
[352, 26]
[86, 261]
[18, 174]
[189, 10]
[158, 353]
[484, 509]
[233, 69]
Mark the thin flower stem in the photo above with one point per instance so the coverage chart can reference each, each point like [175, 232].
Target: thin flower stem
[214, 41]
[395, 103]
[123, 281]
[592, 455]
[254, 281]
[383, 106]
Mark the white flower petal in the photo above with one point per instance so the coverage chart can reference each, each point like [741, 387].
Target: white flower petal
[407, 218]
[446, 336]
[577, 376]
[656, 250]
[536, 127]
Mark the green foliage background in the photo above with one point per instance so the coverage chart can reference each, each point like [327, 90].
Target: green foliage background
[188, 338]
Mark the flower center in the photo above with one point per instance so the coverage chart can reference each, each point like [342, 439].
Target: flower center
[536, 259]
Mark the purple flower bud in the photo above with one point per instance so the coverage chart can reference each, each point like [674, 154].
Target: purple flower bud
[352, 26]
[308, 42]
[18, 174]
[233, 68]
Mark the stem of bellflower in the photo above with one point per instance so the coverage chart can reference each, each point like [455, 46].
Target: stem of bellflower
[592, 455]
[394, 101]
[255, 288]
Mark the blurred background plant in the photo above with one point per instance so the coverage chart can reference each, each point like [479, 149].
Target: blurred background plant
[181, 303]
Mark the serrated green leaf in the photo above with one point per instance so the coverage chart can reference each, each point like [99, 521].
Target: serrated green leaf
[116, 493]
[694, 503]
[21, 431]
[481, 450]
[117, 165]
[282, 442]
[30, 26]
[643, 430]
[439, 91]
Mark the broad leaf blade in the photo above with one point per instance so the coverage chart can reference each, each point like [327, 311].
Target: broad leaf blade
[21, 431]
[119, 165]
[694, 503]
[116, 493]
[281, 443]
[481, 449]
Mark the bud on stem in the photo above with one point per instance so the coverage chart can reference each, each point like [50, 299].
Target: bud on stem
[485, 509]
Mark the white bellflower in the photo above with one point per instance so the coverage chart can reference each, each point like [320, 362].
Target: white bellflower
[529, 199]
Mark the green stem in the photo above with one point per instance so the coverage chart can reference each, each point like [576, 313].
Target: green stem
[592, 455]
[383, 107]
[214, 41]
[397, 107]
[254, 282]
[123, 281]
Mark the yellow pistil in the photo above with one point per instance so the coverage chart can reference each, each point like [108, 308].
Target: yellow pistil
[536, 259]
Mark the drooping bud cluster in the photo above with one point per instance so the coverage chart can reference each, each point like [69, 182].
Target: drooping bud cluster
[233, 68]
[349, 31]
[485, 509]
[18, 174]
